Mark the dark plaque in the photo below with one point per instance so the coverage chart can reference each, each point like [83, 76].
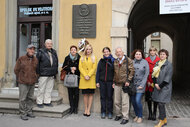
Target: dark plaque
[84, 21]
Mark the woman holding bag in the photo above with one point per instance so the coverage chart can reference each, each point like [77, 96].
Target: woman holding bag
[70, 65]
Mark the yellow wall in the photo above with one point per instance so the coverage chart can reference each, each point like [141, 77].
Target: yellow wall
[2, 36]
[103, 25]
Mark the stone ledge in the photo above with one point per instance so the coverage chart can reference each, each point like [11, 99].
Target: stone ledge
[119, 32]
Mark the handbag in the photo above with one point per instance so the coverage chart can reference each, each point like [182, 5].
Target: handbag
[63, 74]
[131, 89]
[71, 80]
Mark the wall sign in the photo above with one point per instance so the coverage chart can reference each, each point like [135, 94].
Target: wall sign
[27, 11]
[174, 6]
[84, 21]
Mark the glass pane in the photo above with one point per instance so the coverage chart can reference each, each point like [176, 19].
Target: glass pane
[48, 31]
[35, 35]
[156, 44]
[35, 10]
[24, 38]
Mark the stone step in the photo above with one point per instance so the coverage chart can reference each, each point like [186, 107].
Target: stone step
[56, 111]
[14, 98]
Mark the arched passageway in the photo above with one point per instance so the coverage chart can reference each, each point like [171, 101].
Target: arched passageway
[145, 19]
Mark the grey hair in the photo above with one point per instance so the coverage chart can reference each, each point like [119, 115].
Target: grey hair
[119, 48]
[48, 40]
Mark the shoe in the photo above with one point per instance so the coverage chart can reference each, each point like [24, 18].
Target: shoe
[139, 120]
[31, 115]
[71, 111]
[124, 121]
[150, 116]
[160, 124]
[117, 118]
[48, 104]
[110, 116]
[165, 121]
[103, 115]
[153, 116]
[76, 111]
[24, 117]
[87, 115]
[84, 114]
[135, 119]
[40, 105]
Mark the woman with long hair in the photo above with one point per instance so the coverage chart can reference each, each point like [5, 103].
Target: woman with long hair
[87, 67]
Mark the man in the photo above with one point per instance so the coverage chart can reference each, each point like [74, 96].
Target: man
[25, 70]
[121, 78]
[47, 69]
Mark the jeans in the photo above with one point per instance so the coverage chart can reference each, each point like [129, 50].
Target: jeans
[106, 95]
[137, 104]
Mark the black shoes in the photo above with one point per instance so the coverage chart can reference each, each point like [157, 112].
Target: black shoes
[103, 115]
[124, 121]
[154, 117]
[117, 118]
[40, 105]
[31, 115]
[150, 116]
[24, 117]
[48, 104]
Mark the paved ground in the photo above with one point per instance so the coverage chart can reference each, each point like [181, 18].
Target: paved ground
[79, 120]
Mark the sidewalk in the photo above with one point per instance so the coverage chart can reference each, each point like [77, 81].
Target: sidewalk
[9, 120]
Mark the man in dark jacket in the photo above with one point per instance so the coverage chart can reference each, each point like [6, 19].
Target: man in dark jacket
[25, 70]
[47, 70]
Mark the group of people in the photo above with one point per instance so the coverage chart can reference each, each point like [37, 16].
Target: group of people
[151, 76]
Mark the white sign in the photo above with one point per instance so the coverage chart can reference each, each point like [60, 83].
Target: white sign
[174, 6]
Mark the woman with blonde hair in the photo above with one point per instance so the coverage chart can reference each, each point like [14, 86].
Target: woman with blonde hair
[87, 67]
[151, 59]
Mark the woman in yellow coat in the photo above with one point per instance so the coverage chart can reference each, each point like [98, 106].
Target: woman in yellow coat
[87, 67]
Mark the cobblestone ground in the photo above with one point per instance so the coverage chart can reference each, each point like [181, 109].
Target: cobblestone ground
[179, 107]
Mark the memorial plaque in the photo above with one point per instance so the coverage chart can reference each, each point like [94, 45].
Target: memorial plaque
[84, 21]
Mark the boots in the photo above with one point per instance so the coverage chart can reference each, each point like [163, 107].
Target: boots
[165, 121]
[160, 124]
[155, 110]
[150, 110]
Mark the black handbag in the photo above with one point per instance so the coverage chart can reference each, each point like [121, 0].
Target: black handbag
[131, 89]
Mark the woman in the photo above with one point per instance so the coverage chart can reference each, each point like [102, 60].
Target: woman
[70, 65]
[162, 78]
[152, 59]
[139, 80]
[104, 80]
[87, 67]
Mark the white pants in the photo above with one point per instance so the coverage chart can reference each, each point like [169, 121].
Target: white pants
[45, 87]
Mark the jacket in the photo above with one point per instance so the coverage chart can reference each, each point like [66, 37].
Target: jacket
[151, 66]
[141, 74]
[69, 63]
[105, 70]
[165, 76]
[25, 70]
[120, 71]
[44, 67]
[87, 68]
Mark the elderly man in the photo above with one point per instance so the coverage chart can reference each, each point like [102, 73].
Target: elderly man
[121, 64]
[25, 70]
[47, 70]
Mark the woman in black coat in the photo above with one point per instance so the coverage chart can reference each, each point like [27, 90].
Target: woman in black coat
[70, 65]
[104, 80]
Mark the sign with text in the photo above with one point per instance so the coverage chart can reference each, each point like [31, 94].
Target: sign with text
[174, 6]
[27, 11]
[84, 21]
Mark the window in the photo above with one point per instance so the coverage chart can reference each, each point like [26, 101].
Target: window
[156, 44]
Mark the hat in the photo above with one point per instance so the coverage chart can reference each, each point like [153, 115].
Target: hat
[31, 46]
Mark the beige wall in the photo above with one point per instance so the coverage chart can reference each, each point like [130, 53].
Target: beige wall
[103, 26]
[2, 36]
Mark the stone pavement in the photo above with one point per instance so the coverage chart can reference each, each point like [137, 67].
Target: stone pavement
[10, 120]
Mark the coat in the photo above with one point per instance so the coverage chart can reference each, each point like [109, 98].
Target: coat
[141, 74]
[120, 71]
[25, 70]
[69, 63]
[165, 75]
[87, 68]
[151, 66]
[44, 67]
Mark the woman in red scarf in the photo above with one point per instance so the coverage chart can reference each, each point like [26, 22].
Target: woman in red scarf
[152, 59]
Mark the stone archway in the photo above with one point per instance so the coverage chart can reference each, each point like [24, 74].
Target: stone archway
[144, 19]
